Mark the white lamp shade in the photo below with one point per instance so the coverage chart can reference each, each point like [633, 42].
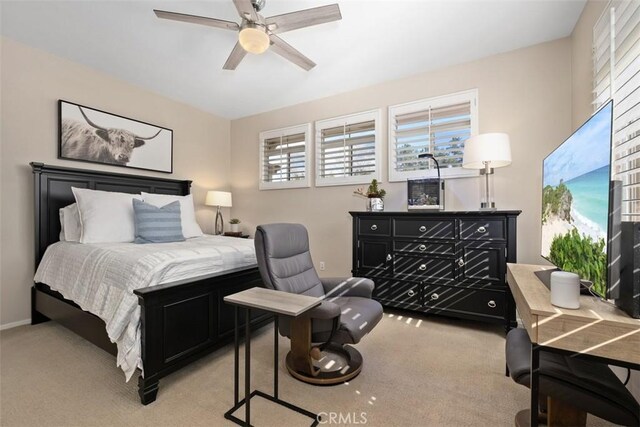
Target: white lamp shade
[218, 198]
[493, 148]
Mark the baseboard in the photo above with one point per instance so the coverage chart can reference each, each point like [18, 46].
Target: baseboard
[15, 324]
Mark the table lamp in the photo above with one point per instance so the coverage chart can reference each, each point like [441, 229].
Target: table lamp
[486, 152]
[221, 199]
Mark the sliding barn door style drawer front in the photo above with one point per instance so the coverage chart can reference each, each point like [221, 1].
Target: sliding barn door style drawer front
[445, 263]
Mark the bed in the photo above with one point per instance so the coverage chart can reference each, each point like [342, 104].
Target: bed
[179, 321]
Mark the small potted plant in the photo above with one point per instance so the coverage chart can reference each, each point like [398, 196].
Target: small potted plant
[235, 225]
[374, 195]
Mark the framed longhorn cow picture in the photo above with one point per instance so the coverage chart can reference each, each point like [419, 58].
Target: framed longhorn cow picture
[95, 136]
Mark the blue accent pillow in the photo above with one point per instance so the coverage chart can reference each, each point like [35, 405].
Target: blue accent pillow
[157, 225]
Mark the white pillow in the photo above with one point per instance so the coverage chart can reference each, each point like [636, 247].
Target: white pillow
[70, 228]
[190, 227]
[105, 216]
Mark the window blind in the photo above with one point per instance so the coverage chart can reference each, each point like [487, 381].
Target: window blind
[347, 150]
[616, 59]
[284, 157]
[439, 126]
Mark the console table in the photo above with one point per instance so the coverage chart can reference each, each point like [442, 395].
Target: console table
[597, 330]
[441, 262]
[278, 303]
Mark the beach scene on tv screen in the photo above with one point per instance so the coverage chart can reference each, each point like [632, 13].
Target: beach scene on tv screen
[575, 201]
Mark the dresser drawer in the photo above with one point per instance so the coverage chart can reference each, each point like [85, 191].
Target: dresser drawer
[483, 229]
[397, 293]
[447, 299]
[374, 256]
[433, 269]
[482, 264]
[374, 226]
[445, 248]
[424, 228]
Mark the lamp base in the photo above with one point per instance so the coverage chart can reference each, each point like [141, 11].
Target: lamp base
[218, 227]
[487, 207]
[486, 171]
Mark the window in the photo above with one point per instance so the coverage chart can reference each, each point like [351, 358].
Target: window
[348, 149]
[438, 125]
[284, 157]
[616, 74]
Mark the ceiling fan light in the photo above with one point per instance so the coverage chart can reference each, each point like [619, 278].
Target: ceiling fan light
[254, 39]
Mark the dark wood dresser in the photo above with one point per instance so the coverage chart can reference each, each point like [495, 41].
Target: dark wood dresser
[441, 262]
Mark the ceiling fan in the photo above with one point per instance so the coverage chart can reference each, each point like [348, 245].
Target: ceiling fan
[257, 33]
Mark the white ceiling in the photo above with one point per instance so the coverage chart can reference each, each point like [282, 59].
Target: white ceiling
[376, 41]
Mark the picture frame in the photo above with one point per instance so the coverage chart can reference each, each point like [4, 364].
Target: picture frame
[90, 135]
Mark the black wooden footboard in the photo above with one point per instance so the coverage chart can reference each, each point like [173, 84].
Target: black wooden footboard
[180, 322]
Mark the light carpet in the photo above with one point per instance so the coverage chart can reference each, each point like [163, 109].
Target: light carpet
[418, 371]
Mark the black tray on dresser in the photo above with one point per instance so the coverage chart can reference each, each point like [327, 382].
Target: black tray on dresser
[441, 262]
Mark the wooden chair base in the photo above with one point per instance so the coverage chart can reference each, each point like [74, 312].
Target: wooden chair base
[559, 414]
[318, 376]
[524, 420]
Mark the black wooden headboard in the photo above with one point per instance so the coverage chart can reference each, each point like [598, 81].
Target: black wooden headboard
[53, 191]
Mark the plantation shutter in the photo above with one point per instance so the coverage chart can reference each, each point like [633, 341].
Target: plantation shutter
[347, 150]
[284, 158]
[439, 126]
[617, 75]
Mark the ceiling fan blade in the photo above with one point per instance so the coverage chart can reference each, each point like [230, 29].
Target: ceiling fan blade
[303, 18]
[234, 59]
[246, 10]
[287, 51]
[194, 19]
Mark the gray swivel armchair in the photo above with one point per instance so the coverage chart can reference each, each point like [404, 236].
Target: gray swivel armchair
[320, 353]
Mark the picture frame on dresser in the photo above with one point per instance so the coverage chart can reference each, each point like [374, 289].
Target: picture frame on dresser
[90, 135]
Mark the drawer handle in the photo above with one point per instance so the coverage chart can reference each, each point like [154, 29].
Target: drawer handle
[434, 296]
[422, 228]
[374, 227]
[460, 262]
[411, 293]
[388, 257]
[482, 229]
[491, 304]
[422, 267]
[422, 248]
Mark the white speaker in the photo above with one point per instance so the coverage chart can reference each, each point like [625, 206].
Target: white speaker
[565, 289]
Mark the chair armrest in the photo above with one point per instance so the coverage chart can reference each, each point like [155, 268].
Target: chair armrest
[347, 287]
[325, 311]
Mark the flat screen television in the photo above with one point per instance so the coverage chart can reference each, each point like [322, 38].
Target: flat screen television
[580, 206]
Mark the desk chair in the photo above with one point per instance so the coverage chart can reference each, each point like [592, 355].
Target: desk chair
[570, 387]
[320, 353]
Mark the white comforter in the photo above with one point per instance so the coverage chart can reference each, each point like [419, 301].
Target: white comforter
[100, 278]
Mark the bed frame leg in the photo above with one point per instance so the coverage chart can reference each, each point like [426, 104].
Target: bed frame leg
[36, 316]
[147, 389]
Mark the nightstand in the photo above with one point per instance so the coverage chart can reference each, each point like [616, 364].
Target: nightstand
[238, 234]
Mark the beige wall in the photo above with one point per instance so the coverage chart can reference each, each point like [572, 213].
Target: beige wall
[526, 93]
[32, 81]
[582, 63]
